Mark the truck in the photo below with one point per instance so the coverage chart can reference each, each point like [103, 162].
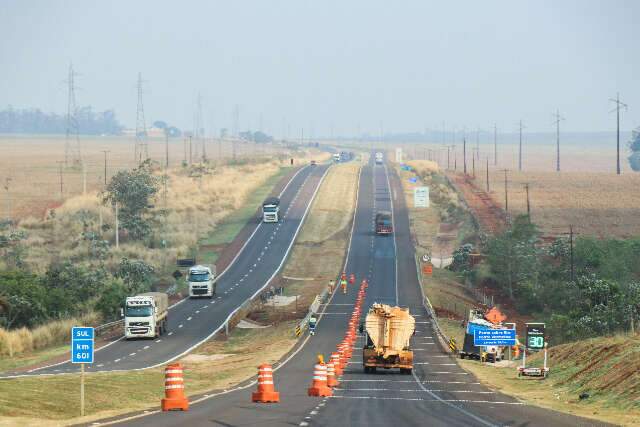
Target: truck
[271, 210]
[201, 280]
[379, 158]
[336, 157]
[469, 350]
[384, 223]
[145, 315]
[388, 332]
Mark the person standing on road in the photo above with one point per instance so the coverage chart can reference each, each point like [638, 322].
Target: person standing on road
[312, 324]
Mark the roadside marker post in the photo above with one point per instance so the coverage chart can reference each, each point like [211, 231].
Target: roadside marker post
[82, 349]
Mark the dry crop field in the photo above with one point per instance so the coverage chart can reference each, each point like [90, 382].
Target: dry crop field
[32, 165]
[599, 204]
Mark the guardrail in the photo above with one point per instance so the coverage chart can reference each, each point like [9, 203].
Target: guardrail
[442, 337]
[302, 326]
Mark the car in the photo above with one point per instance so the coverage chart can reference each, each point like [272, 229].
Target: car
[313, 162]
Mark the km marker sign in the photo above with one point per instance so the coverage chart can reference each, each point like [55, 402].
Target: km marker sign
[82, 345]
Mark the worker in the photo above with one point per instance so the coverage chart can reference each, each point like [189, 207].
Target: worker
[312, 324]
[343, 283]
[332, 285]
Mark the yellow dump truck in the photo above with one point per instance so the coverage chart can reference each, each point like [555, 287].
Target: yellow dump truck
[388, 330]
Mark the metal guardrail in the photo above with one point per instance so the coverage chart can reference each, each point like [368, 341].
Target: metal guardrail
[302, 326]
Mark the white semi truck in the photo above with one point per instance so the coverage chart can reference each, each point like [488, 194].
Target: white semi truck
[271, 210]
[145, 315]
[201, 280]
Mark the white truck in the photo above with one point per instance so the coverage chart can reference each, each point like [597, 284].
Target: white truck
[145, 315]
[201, 280]
[379, 158]
[336, 157]
[271, 210]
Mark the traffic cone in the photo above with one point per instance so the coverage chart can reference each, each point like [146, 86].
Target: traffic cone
[174, 389]
[265, 392]
[332, 381]
[319, 386]
[337, 364]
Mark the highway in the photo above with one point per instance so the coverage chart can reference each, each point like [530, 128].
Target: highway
[438, 393]
[193, 321]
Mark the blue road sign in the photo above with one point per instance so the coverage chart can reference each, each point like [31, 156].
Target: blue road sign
[82, 344]
[483, 337]
[413, 179]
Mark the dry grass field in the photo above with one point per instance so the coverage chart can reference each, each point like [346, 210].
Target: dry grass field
[32, 165]
[599, 204]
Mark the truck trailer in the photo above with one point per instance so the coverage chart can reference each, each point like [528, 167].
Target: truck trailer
[271, 210]
[145, 315]
[388, 330]
[201, 280]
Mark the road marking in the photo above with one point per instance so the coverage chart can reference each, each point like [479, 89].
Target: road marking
[435, 364]
[197, 311]
[117, 360]
[132, 354]
[420, 399]
[100, 365]
[188, 318]
[145, 347]
[180, 326]
[205, 307]
[158, 340]
[170, 333]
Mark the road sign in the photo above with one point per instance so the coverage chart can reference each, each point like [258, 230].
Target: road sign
[535, 336]
[484, 337]
[82, 344]
[421, 197]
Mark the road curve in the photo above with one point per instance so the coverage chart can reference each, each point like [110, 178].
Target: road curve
[439, 393]
[192, 321]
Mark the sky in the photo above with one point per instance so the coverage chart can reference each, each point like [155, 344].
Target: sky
[329, 67]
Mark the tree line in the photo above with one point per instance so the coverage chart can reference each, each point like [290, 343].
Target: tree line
[587, 289]
[35, 121]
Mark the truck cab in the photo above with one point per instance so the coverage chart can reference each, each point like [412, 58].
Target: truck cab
[271, 210]
[201, 280]
[145, 315]
[336, 157]
[384, 223]
[379, 158]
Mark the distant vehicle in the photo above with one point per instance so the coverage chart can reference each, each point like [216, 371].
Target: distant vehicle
[384, 224]
[336, 157]
[201, 280]
[145, 315]
[271, 210]
[345, 156]
[313, 162]
[389, 330]
[379, 158]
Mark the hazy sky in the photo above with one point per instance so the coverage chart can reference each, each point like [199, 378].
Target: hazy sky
[318, 64]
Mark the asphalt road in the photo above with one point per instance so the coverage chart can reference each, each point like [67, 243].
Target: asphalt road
[438, 393]
[194, 320]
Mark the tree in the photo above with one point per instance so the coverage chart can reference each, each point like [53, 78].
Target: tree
[136, 275]
[22, 298]
[133, 191]
[634, 146]
[111, 299]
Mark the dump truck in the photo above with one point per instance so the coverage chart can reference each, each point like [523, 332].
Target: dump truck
[271, 210]
[388, 332]
[145, 315]
[384, 223]
[201, 280]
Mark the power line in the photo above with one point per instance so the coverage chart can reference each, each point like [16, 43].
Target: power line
[619, 105]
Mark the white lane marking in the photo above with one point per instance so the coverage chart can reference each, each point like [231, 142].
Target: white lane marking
[415, 390]
[435, 364]
[205, 307]
[170, 333]
[117, 360]
[407, 381]
[188, 318]
[255, 265]
[158, 340]
[180, 326]
[132, 354]
[197, 311]
[100, 365]
[445, 401]
[145, 347]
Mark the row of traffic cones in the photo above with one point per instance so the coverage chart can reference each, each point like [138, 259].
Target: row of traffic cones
[326, 376]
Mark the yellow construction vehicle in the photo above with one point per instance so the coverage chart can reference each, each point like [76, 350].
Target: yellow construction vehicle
[388, 330]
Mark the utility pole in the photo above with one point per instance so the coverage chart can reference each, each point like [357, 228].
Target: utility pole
[495, 145]
[448, 156]
[199, 131]
[7, 183]
[166, 149]
[60, 163]
[617, 110]
[506, 191]
[526, 189]
[190, 150]
[520, 149]
[557, 122]
[84, 178]
[487, 174]
[105, 166]
[571, 251]
[473, 163]
[464, 153]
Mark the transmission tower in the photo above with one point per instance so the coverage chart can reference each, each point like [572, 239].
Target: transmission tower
[72, 139]
[141, 150]
[558, 118]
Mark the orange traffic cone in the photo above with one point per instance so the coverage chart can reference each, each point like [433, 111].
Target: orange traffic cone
[352, 279]
[337, 365]
[174, 389]
[265, 392]
[319, 386]
[332, 381]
